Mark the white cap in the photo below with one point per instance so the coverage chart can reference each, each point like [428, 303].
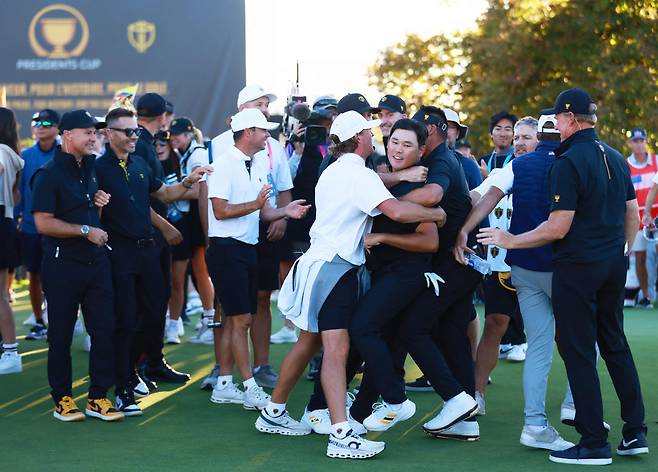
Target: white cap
[452, 115]
[253, 92]
[251, 118]
[543, 120]
[349, 124]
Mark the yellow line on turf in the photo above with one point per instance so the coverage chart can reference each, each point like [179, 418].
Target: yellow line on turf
[157, 415]
[34, 363]
[32, 353]
[157, 397]
[22, 397]
[45, 398]
[422, 420]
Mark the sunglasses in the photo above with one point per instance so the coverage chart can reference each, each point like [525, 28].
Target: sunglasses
[129, 131]
[44, 124]
[161, 142]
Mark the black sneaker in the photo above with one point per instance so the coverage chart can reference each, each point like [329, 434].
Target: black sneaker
[419, 385]
[583, 456]
[125, 403]
[644, 303]
[637, 444]
[163, 372]
[37, 332]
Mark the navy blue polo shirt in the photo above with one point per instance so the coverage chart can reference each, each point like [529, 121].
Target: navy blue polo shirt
[593, 180]
[145, 148]
[128, 214]
[66, 190]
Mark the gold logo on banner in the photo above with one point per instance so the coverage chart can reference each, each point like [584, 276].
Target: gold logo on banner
[58, 29]
[141, 35]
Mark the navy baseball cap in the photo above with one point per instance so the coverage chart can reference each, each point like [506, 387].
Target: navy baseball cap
[574, 100]
[150, 105]
[47, 115]
[427, 118]
[356, 102]
[392, 103]
[79, 119]
[638, 134]
[181, 125]
[169, 107]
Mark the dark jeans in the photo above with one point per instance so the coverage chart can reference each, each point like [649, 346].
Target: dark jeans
[140, 301]
[588, 307]
[69, 284]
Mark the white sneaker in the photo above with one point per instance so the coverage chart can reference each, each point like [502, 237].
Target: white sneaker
[10, 363]
[30, 321]
[171, 332]
[284, 336]
[181, 327]
[255, 398]
[44, 313]
[318, 420]
[282, 424]
[229, 393]
[385, 415]
[193, 306]
[543, 437]
[458, 408]
[141, 390]
[482, 408]
[462, 431]
[88, 343]
[353, 446]
[211, 380]
[504, 350]
[568, 416]
[517, 353]
[204, 335]
[79, 327]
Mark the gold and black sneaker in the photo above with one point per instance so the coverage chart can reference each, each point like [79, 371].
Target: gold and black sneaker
[103, 409]
[67, 410]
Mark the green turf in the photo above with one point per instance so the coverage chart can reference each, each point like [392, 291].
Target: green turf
[182, 430]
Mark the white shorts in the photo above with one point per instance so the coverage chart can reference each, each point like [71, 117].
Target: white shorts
[640, 243]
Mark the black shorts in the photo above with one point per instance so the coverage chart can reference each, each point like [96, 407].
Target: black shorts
[500, 295]
[268, 260]
[232, 266]
[197, 237]
[31, 252]
[341, 303]
[183, 250]
[8, 242]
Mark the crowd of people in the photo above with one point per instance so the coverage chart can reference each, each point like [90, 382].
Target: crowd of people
[133, 221]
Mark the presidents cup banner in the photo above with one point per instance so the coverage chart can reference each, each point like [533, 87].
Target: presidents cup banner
[78, 54]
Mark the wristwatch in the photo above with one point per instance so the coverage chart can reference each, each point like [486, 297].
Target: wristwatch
[84, 229]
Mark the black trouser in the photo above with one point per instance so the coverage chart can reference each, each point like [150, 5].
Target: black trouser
[149, 336]
[69, 284]
[515, 333]
[140, 299]
[393, 289]
[445, 318]
[588, 304]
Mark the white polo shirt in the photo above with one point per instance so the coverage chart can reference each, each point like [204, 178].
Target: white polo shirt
[273, 158]
[230, 181]
[501, 217]
[346, 198]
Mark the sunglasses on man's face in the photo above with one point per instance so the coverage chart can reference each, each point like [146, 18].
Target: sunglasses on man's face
[44, 124]
[129, 131]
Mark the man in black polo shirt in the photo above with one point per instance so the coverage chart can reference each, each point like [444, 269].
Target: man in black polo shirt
[76, 268]
[151, 117]
[594, 213]
[128, 183]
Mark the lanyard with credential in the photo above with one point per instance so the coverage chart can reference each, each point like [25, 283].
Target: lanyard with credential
[493, 156]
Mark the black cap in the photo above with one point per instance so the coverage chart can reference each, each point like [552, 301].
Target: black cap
[393, 103]
[150, 105]
[574, 100]
[638, 134]
[427, 118]
[462, 143]
[356, 102]
[47, 115]
[324, 102]
[169, 107]
[79, 119]
[181, 125]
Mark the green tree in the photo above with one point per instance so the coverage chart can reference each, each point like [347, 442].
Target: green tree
[524, 52]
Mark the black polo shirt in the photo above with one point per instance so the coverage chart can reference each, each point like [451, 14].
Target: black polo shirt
[593, 180]
[384, 255]
[128, 214]
[446, 171]
[66, 190]
[145, 148]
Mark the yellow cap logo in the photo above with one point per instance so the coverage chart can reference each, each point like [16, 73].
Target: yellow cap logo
[567, 106]
[141, 35]
[426, 117]
[362, 98]
[58, 25]
[556, 198]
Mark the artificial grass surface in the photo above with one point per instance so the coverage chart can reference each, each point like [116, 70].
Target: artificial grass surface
[182, 430]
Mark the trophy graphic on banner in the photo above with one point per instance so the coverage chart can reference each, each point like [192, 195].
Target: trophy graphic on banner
[58, 32]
